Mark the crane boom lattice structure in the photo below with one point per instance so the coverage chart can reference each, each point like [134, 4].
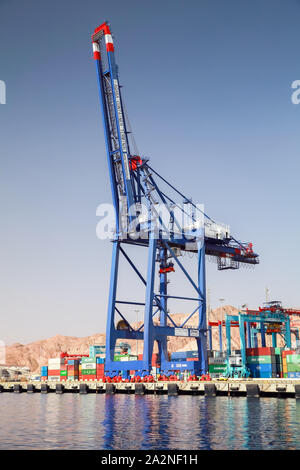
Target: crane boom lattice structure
[135, 185]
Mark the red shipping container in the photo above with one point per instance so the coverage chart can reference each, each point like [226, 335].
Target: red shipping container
[260, 351]
[140, 357]
[287, 353]
[192, 359]
[54, 372]
[44, 379]
[63, 378]
[88, 377]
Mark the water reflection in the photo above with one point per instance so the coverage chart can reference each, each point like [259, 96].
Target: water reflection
[147, 422]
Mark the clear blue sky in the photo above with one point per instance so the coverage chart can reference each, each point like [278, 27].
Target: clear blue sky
[207, 86]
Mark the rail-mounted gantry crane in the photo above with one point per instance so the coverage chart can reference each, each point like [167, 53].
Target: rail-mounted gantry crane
[180, 229]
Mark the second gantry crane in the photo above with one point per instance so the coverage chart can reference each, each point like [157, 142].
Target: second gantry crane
[135, 186]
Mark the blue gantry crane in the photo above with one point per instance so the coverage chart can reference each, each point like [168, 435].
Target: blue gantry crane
[182, 228]
[272, 319]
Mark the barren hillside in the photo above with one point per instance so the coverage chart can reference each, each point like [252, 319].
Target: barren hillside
[35, 354]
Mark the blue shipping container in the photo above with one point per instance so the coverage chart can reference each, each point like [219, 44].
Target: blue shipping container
[100, 360]
[73, 362]
[293, 375]
[263, 371]
[191, 354]
[179, 355]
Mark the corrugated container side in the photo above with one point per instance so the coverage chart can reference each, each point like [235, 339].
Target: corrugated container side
[89, 371]
[260, 351]
[54, 372]
[261, 360]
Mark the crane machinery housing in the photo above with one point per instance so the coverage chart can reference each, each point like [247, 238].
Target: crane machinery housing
[135, 185]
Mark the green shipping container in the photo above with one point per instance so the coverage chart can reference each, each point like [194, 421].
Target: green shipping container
[217, 368]
[85, 360]
[293, 367]
[293, 359]
[63, 373]
[88, 372]
[117, 357]
[261, 359]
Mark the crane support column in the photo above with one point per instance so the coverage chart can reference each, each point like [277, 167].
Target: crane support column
[220, 336]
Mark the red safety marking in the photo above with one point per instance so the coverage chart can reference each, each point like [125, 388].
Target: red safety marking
[96, 50]
[110, 47]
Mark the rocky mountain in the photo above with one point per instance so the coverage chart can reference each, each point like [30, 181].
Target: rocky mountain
[37, 353]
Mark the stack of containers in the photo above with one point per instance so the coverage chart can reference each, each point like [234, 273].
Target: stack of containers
[155, 365]
[217, 366]
[284, 354]
[44, 373]
[100, 368]
[88, 368]
[54, 366]
[293, 366]
[63, 372]
[278, 360]
[73, 369]
[261, 362]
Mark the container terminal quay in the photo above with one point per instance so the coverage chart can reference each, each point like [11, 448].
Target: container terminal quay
[268, 359]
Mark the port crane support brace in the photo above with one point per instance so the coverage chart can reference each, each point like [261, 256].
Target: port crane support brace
[134, 182]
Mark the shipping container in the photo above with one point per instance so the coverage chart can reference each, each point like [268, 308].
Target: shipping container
[261, 360]
[85, 360]
[293, 375]
[293, 358]
[217, 368]
[54, 378]
[287, 352]
[260, 351]
[54, 372]
[293, 367]
[88, 365]
[73, 362]
[89, 371]
[100, 360]
[262, 370]
[216, 360]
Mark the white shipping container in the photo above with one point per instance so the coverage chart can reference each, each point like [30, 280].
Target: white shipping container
[216, 360]
[54, 378]
[56, 360]
[88, 365]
